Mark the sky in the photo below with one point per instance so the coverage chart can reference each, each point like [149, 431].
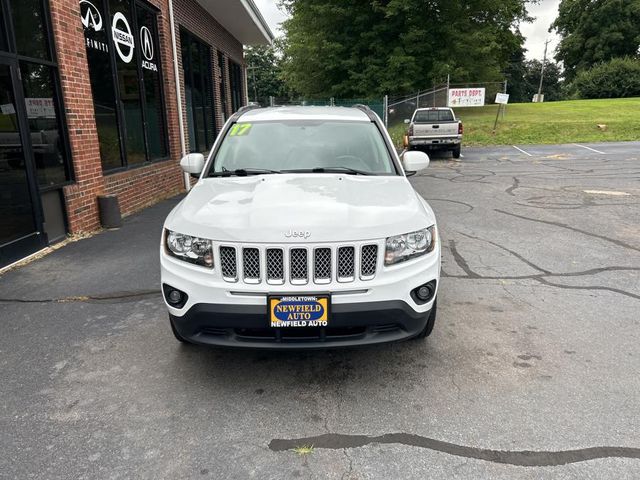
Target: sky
[535, 33]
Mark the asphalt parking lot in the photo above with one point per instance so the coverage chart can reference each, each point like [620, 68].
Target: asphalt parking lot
[531, 372]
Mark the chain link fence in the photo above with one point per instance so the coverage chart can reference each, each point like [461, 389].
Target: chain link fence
[401, 107]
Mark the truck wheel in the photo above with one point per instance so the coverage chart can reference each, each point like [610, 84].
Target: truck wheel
[179, 337]
[428, 328]
[456, 152]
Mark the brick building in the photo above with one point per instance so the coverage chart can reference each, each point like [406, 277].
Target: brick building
[104, 97]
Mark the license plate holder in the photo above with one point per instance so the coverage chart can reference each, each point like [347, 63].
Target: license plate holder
[298, 311]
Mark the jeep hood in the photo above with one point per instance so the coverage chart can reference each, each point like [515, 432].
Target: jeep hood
[330, 208]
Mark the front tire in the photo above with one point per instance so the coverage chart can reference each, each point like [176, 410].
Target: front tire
[428, 328]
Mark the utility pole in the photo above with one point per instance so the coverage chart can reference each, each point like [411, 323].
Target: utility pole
[544, 60]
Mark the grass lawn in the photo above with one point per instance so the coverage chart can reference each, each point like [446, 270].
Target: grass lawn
[553, 122]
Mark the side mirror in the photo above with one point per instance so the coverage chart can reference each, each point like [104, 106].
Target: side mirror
[407, 121]
[192, 163]
[414, 161]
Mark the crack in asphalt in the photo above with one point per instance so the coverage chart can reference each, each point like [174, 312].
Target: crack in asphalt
[620, 243]
[106, 298]
[514, 186]
[521, 458]
[539, 277]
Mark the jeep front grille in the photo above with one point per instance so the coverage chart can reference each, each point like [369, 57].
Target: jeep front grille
[251, 265]
[279, 265]
[228, 263]
[298, 265]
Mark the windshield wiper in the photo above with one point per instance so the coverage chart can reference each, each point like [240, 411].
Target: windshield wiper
[347, 170]
[242, 172]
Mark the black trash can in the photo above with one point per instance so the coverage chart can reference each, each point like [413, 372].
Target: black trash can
[109, 208]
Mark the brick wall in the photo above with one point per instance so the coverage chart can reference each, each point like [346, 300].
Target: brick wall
[192, 17]
[142, 186]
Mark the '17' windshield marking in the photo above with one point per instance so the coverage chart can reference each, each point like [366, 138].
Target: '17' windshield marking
[239, 129]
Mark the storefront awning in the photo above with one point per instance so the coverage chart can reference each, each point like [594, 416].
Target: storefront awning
[241, 18]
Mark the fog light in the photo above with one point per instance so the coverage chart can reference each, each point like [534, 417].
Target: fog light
[175, 296]
[424, 293]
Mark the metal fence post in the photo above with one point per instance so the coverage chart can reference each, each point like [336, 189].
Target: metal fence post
[271, 101]
[385, 106]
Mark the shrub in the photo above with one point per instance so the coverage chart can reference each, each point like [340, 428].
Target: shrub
[617, 78]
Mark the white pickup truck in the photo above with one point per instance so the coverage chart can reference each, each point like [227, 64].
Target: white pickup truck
[434, 128]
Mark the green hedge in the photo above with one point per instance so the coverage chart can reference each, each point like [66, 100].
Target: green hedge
[617, 78]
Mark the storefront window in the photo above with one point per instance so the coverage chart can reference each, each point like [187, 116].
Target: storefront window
[29, 27]
[236, 86]
[198, 86]
[43, 115]
[132, 129]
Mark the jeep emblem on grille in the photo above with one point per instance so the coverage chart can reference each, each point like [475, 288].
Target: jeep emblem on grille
[298, 234]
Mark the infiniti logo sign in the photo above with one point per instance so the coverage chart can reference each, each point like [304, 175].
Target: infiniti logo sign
[298, 234]
[90, 16]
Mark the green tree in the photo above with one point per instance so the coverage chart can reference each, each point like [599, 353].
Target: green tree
[264, 73]
[365, 48]
[617, 78]
[596, 31]
[524, 81]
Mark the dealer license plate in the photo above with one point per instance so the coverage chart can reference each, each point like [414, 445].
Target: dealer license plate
[299, 311]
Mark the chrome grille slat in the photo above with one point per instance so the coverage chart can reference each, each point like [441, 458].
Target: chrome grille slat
[251, 265]
[228, 263]
[275, 265]
[346, 264]
[322, 265]
[298, 265]
[368, 261]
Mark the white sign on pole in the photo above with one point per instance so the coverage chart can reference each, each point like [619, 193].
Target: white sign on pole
[502, 98]
[466, 97]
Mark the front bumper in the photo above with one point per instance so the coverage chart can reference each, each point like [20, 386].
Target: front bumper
[350, 325]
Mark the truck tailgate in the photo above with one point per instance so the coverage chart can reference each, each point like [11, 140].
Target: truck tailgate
[440, 129]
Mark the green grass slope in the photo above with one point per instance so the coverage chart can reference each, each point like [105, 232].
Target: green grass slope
[572, 121]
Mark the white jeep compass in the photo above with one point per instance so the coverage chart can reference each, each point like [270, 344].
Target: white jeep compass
[301, 232]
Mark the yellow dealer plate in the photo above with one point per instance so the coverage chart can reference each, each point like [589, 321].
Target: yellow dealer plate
[299, 311]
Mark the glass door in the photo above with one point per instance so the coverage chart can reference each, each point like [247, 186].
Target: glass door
[20, 224]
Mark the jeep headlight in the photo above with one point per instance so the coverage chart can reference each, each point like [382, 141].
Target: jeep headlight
[194, 250]
[400, 248]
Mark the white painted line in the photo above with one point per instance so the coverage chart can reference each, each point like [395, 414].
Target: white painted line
[589, 148]
[607, 192]
[521, 150]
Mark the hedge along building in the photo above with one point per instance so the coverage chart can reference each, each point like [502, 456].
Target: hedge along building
[90, 105]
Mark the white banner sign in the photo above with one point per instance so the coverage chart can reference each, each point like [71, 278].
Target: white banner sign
[466, 97]
[40, 107]
[502, 98]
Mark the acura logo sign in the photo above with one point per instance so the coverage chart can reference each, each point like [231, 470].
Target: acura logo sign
[146, 42]
[90, 16]
[122, 38]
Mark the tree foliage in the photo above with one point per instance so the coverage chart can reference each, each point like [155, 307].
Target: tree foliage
[264, 73]
[523, 80]
[596, 31]
[359, 48]
[616, 78]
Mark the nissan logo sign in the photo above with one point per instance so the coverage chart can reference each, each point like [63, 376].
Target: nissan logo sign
[122, 38]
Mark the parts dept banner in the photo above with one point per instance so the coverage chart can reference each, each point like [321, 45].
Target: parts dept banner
[466, 97]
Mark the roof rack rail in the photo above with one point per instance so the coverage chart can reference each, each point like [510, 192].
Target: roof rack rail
[367, 110]
[244, 109]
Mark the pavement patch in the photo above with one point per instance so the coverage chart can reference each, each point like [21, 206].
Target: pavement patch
[522, 458]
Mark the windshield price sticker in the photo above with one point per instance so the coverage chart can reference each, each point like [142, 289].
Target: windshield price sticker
[298, 311]
[240, 129]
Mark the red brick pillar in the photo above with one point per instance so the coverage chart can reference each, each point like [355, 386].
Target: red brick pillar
[82, 206]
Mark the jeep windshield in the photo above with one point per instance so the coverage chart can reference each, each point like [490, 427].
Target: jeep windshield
[321, 147]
